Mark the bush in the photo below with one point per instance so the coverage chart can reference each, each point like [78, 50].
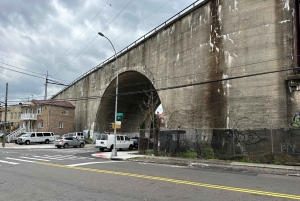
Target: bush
[88, 140]
[207, 152]
[188, 154]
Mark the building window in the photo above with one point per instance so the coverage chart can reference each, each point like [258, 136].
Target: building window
[66, 112]
[39, 111]
[162, 121]
[61, 124]
[40, 124]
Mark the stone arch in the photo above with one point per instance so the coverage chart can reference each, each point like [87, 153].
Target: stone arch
[134, 88]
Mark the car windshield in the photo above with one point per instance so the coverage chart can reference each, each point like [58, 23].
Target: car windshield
[26, 135]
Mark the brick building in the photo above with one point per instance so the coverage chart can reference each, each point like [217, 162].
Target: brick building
[48, 115]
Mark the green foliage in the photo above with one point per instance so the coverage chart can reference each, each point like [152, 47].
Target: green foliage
[256, 161]
[244, 160]
[188, 154]
[278, 163]
[148, 152]
[89, 135]
[207, 152]
[88, 140]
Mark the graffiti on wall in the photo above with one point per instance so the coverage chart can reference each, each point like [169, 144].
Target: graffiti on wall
[296, 120]
[247, 137]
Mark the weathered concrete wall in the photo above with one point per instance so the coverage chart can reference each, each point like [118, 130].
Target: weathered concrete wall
[215, 40]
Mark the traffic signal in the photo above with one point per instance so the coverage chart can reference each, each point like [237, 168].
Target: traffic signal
[112, 125]
[118, 126]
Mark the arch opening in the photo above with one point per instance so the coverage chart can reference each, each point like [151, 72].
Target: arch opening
[137, 100]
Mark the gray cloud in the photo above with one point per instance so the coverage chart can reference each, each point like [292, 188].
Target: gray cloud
[35, 35]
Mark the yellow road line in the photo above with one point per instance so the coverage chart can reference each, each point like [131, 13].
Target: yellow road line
[228, 188]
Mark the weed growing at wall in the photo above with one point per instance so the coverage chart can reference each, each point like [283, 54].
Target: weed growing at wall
[207, 152]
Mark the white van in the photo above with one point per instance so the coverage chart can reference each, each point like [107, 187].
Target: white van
[38, 137]
[106, 141]
[78, 135]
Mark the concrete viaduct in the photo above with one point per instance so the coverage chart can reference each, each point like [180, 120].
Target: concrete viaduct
[216, 64]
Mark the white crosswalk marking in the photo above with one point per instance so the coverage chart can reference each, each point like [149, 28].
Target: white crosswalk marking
[17, 159]
[8, 162]
[46, 158]
[34, 158]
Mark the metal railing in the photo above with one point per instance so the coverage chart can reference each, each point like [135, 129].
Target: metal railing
[139, 40]
[28, 116]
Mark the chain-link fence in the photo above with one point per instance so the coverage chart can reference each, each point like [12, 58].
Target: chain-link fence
[261, 145]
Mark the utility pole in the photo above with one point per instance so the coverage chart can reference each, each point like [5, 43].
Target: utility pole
[5, 118]
[46, 85]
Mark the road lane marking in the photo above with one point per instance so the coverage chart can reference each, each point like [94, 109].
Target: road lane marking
[17, 159]
[177, 181]
[80, 164]
[38, 159]
[60, 157]
[8, 162]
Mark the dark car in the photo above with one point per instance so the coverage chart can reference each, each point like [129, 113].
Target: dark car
[135, 142]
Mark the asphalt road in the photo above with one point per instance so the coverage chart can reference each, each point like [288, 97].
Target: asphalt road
[73, 174]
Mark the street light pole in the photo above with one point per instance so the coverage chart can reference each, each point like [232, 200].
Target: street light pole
[5, 118]
[114, 152]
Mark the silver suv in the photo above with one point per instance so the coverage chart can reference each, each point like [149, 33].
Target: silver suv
[67, 142]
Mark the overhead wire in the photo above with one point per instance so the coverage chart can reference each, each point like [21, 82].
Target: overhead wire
[180, 86]
[89, 43]
[79, 36]
[129, 29]
[21, 68]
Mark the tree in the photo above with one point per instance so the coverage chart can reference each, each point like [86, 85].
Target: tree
[148, 107]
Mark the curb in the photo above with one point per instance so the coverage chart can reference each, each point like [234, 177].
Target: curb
[225, 166]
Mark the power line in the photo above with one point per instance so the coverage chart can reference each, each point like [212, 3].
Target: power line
[22, 72]
[20, 68]
[79, 36]
[87, 45]
[128, 30]
[53, 81]
[178, 86]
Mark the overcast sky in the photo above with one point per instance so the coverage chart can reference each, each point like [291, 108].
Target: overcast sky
[60, 36]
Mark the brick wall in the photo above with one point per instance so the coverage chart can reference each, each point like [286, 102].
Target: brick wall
[56, 115]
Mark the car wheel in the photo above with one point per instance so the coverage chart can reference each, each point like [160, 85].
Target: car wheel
[81, 145]
[130, 147]
[101, 149]
[27, 142]
[47, 141]
[111, 147]
[66, 146]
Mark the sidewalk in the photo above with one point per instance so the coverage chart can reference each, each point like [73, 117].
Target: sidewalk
[224, 165]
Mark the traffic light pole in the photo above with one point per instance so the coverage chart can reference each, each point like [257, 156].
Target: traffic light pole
[5, 118]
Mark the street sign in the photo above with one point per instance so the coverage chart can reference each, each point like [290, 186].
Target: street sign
[120, 116]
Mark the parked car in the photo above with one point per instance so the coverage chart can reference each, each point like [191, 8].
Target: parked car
[135, 142]
[67, 142]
